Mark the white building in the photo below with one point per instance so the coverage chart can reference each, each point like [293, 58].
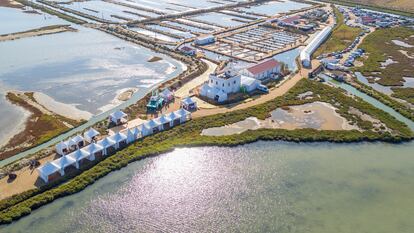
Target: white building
[203, 40]
[249, 84]
[305, 55]
[219, 86]
[264, 70]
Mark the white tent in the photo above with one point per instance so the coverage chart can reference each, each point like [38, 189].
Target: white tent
[46, 170]
[189, 104]
[106, 143]
[133, 134]
[167, 95]
[76, 142]
[62, 148]
[118, 117]
[185, 115]
[165, 121]
[145, 130]
[93, 149]
[79, 155]
[152, 124]
[119, 138]
[90, 134]
[63, 162]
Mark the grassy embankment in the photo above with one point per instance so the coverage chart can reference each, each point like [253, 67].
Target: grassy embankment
[399, 7]
[40, 127]
[379, 48]
[342, 36]
[404, 94]
[51, 11]
[385, 99]
[189, 135]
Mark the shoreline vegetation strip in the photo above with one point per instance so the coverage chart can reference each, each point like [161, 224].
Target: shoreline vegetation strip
[188, 135]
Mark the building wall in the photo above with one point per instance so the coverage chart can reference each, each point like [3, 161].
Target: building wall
[228, 85]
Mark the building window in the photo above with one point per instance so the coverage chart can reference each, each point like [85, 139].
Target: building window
[234, 82]
[216, 83]
[228, 84]
[223, 84]
[211, 81]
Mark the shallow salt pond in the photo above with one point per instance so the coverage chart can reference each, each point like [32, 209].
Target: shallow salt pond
[224, 20]
[105, 10]
[15, 20]
[84, 69]
[155, 35]
[275, 7]
[261, 187]
[317, 115]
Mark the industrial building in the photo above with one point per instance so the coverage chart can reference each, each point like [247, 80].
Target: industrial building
[305, 55]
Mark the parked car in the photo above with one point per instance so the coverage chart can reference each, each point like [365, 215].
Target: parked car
[263, 88]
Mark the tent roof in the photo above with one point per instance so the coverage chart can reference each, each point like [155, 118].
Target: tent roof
[188, 101]
[75, 140]
[118, 115]
[152, 123]
[62, 145]
[79, 154]
[48, 168]
[64, 161]
[166, 92]
[174, 115]
[91, 133]
[106, 142]
[164, 119]
[93, 148]
[182, 112]
[118, 137]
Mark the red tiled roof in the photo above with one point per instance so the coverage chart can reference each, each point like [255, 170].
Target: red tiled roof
[187, 49]
[291, 19]
[261, 67]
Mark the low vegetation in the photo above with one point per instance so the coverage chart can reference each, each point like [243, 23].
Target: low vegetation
[39, 128]
[342, 36]
[189, 135]
[51, 11]
[399, 7]
[385, 99]
[404, 94]
[379, 48]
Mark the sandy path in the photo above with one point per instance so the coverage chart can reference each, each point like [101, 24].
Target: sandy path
[277, 91]
[35, 32]
[184, 91]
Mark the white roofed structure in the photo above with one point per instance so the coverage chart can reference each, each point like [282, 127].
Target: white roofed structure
[79, 155]
[133, 134]
[64, 162]
[47, 170]
[305, 55]
[62, 147]
[90, 134]
[76, 141]
[118, 117]
[106, 143]
[119, 138]
[93, 149]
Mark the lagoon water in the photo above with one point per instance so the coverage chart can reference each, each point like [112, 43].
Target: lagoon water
[260, 187]
[86, 69]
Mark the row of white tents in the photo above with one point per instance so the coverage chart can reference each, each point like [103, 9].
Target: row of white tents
[105, 146]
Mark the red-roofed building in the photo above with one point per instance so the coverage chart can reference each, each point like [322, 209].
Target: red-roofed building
[263, 70]
[188, 50]
[367, 20]
[292, 20]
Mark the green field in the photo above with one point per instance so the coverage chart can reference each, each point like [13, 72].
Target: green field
[342, 36]
[379, 48]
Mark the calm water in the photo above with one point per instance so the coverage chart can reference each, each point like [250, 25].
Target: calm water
[261, 187]
[15, 20]
[87, 69]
